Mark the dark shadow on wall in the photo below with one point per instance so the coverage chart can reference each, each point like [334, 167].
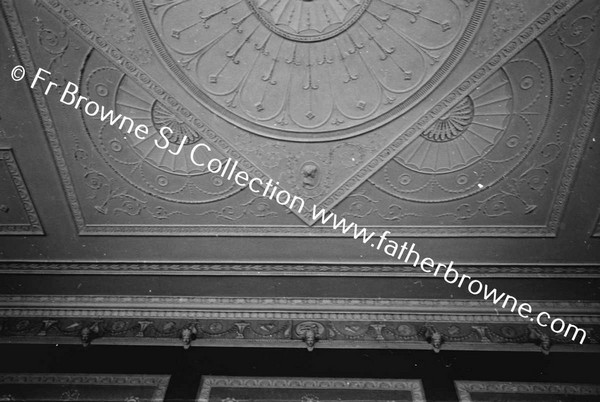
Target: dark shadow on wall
[436, 371]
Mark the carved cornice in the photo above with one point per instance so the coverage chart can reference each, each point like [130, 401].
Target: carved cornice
[363, 309]
[265, 269]
[71, 379]
[288, 322]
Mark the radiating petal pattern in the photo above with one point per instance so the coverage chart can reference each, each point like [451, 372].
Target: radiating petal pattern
[158, 170]
[466, 132]
[299, 68]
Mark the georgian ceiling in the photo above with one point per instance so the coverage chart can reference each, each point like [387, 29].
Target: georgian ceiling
[466, 126]
[421, 118]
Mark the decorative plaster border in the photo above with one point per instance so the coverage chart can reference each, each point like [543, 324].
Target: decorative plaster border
[466, 388]
[208, 382]
[282, 308]
[563, 271]
[523, 38]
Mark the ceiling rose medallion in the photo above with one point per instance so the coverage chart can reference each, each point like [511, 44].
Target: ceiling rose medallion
[310, 71]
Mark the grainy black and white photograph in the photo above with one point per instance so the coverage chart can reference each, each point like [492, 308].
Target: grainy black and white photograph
[299, 200]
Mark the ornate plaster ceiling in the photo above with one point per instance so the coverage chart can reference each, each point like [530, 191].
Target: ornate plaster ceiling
[468, 125]
[391, 113]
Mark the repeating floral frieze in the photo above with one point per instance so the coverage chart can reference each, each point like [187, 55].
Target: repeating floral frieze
[596, 231]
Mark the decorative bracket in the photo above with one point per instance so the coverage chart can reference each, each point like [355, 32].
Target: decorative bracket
[435, 338]
[188, 335]
[310, 332]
